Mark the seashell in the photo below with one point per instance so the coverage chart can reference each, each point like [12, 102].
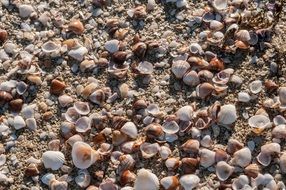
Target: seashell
[66, 129]
[112, 46]
[206, 141]
[185, 113]
[149, 150]
[233, 145]
[279, 120]
[189, 165]
[83, 178]
[57, 87]
[207, 157]
[72, 115]
[76, 27]
[216, 64]
[267, 150]
[223, 170]
[117, 72]
[196, 48]
[18, 122]
[220, 4]
[3, 35]
[253, 38]
[53, 159]
[164, 152]
[123, 89]
[216, 25]
[191, 78]
[34, 78]
[191, 146]
[170, 137]
[170, 183]
[282, 96]
[55, 184]
[16, 105]
[242, 157]
[87, 65]
[97, 97]
[172, 163]
[21, 87]
[208, 17]
[32, 170]
[119, 57]
[279, 132]
[255, 86]
[5, 96]
[70, 43]
[241, 45]
[282, 163]
[242, 182]
[204, 90]
[65, 100]
[139, 49]
[252, 170]
[221, 155]
[130, 129]
[51, 48]
[170, 127]
[83, 125]
[78, 53]
[90, 88]
[81, 107]
[153, 109]
[138, 13]
[265, 180]
[227, 114]
[179, 68]
[25, 10]
[259, 123]
[145, 68]
[146, 180]
[118, 138]
[83, 156]
[31, 123]
[189, 181]
[243, 35]
[205, 75]
[127, 162]
[243, 97]
[128, 147]
[270, 85]
[216, 37]
[73, 139]
[54, 144]
[127, 177]
[48, 178]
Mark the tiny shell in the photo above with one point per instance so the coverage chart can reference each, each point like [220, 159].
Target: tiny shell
[170, 127]
[190, 181]
[267, 150]
[139, 49]
[170, 183]
[243, 35]
[259, 123]
[65, 100]
[82, 107]
[242, 157]
[255, 86]
[252, 170]
[190, 165]
[50, 47]
[97, 97]
[191, 78]
[145, 68]
[191, 146]
[185, 113]
[146, 180]
[279, 120]
[227, 114]
[78, 53]
[21, 87]
[127, 177]
[57, 87]
[243, 97]
[83, 124]
[53, 159]
[76, 27]
[207, 157]
[72, 115]
[112, 46]
[130, 129]
[154, 130]
[83, 178]
[16, 105]
[279, 132]
[223, 170]
[179, 68]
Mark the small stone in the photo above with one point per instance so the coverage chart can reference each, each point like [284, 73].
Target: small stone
[31, 124]
[25, 10]
[112, 46]
[79, 53]
[19, 122]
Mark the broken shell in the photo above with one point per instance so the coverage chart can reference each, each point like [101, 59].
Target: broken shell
[145, 68]
[76, 27]
[83, 178]
[149, 150]
[82, 107]
[204, 90]
[53, 159]
[72, 115]
[57, 87]
[170, 183]
[243, 35]
[185, 113]
[83, 124]
[83, 156]
[190, 165]
[170, 127]
[153, 109]
[65, 100]
[268, 150]
[242, 157]
[191, 146]
[189, 181]
[179, 68]
[172, 163]
[227, 114]
[243, 97]
[196, 48]
[51, 47]
[216, 25]
[164, 152]
[252, 170]
[191, 78]
[255, 86]
[259, 123]
[223, 170]
[130, 129]
[207, 157]
[146, 180]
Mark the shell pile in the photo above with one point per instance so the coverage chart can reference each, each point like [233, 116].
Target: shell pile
[143, 95]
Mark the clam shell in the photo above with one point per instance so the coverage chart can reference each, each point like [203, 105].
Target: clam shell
[47, 178]
[165, 152]
[243, 35]
[130, 129]
[227, 114]
[83, 124]
[65, 100]
[83, 178]
[279, 132]
[170, 182]
[185, 113]
[267, 150]
[242, 157]
[146, 180]
[179, 68]
[189, 181]
[255, 86]
[191, 146]
[172, 163]
[191, 78]
[196, 48]
[243, 97]
[216, 25]
[149, 150]
[145, 68]
[207, 157]
[242, 182]
[82, 107]
[53, 159]
[97, 97]
[223, 170]
[50, 47]
[72, 115]
[204, 90]
[190, 165]
[153, 109]
[83, 156]
[259, 123]
[170, 127]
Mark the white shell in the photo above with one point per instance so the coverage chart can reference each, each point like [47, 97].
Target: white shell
[227, 114]
[83, 156]
[83, 124]
[185, 113]
[259, 121]
[282, 96]
[21, 87]
[264, 157]
[207, 157]
[31, 124]
[50, 47]
[282, 163]
[220, 4]
[83, 178]
[216, 25]
[168, 182]
[65, 100]
[191, 78]
[53, 159]
[145, 68]
[190, 181]
[179, 68]
[47, 178]
[82, 107]
[243, 35]
[112, 46]
[153, 109]
[243, 97]
[255, 86]
[130, 129]
[18, 122]
[78, 53]
[279, 120]
[242, 157]
[242, 182]
[146, 180]
[149, 150]
[279, 132]
[164, 152]
[223, 170]
[72, 115]
[170, 127]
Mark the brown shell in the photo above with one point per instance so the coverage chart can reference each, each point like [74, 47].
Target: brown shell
[3, 35]
[190, 165]
[57, 87]
[76, 27]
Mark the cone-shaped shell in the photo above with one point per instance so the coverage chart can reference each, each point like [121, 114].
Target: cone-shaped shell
[83, 156]
[146, 180]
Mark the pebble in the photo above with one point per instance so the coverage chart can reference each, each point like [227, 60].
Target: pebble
[25, 10]
[19, 122]
[112, 46]
[79, 53]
